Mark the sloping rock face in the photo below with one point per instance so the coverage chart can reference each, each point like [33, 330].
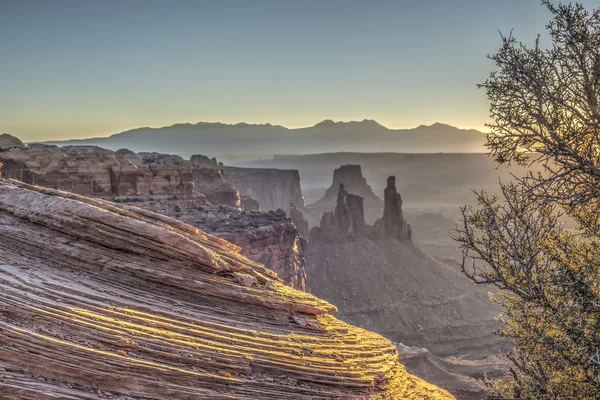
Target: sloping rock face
[269, 238]
[352, 178]
[272, 188]
[101, 300]
[97, 172]
[8, 142]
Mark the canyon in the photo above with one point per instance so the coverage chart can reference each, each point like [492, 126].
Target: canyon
[350, 247]
[194, 191]
[101, 300]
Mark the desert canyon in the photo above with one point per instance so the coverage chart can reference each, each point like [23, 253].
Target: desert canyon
[265, 254]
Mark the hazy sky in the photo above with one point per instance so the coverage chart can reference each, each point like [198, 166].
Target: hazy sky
[73, 69]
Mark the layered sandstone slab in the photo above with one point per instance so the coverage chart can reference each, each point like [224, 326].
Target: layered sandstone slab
[106, 301]
[269, 238]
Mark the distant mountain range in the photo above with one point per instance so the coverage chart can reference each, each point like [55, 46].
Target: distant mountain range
[246, 140]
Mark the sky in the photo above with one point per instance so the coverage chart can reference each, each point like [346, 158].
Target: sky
[83, 68]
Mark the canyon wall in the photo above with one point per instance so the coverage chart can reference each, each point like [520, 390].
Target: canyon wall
[352, 178]
[272, 188]
[193, 191]
[102, 300]
[269, 238]
[97, 172]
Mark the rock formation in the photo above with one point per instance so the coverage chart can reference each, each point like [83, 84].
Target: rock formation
[266, 237]
[393, 223]
[170, 185]
[101, 300]
[250, 203]
[8, 142]
[298, 218]
[383, 282]
[351, 177]
[97, 172]
[272, 188]
[346, 219]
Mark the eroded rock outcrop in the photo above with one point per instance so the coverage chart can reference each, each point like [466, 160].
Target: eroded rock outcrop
[250, 203]
[8, 142]
[352, 178]
[347, 219]
[298, 218]
[383, 282]
[101, 300]
[393, 223]
[97, 172]
[272, 188]
[269, 238]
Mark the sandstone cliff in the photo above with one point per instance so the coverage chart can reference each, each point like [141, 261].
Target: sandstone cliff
[272, 188]
[351, 177]
[97, 172]
[383, 282]
[101, 300]
[269, 238]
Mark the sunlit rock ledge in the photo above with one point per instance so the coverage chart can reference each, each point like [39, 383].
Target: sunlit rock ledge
[106, 301]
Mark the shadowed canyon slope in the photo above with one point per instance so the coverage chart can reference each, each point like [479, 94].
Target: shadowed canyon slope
[245, 140]
[102, 300]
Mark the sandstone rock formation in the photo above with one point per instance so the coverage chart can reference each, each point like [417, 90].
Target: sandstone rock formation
[298, 218]
[272, 188]
[97, 172]
[351, 177]
[346, 219]
[101, 300]
[383, 282]
[393, 223]
[266, 237]
[250, 203]
[8, 142]
[170, 185]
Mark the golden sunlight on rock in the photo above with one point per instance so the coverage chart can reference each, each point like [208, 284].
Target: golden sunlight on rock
[106, 301]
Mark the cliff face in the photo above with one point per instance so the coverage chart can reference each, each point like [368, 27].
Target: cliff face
[393, 223]
[381, 281]
[102, 300]
[97, 172]
[272, 188]
[350, 176]
[269, 238]
[170, 185]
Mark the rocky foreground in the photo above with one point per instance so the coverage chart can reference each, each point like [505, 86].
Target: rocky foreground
[107, 301]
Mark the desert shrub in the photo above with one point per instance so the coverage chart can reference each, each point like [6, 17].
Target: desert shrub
[545, 106]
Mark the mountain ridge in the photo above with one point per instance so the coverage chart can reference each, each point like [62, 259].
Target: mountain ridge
[219, 139]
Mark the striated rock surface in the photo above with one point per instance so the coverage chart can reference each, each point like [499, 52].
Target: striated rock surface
[352, 178]
[272, 188]
[97, 172]
[8, 142]
[269, 238]
[101, 300]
